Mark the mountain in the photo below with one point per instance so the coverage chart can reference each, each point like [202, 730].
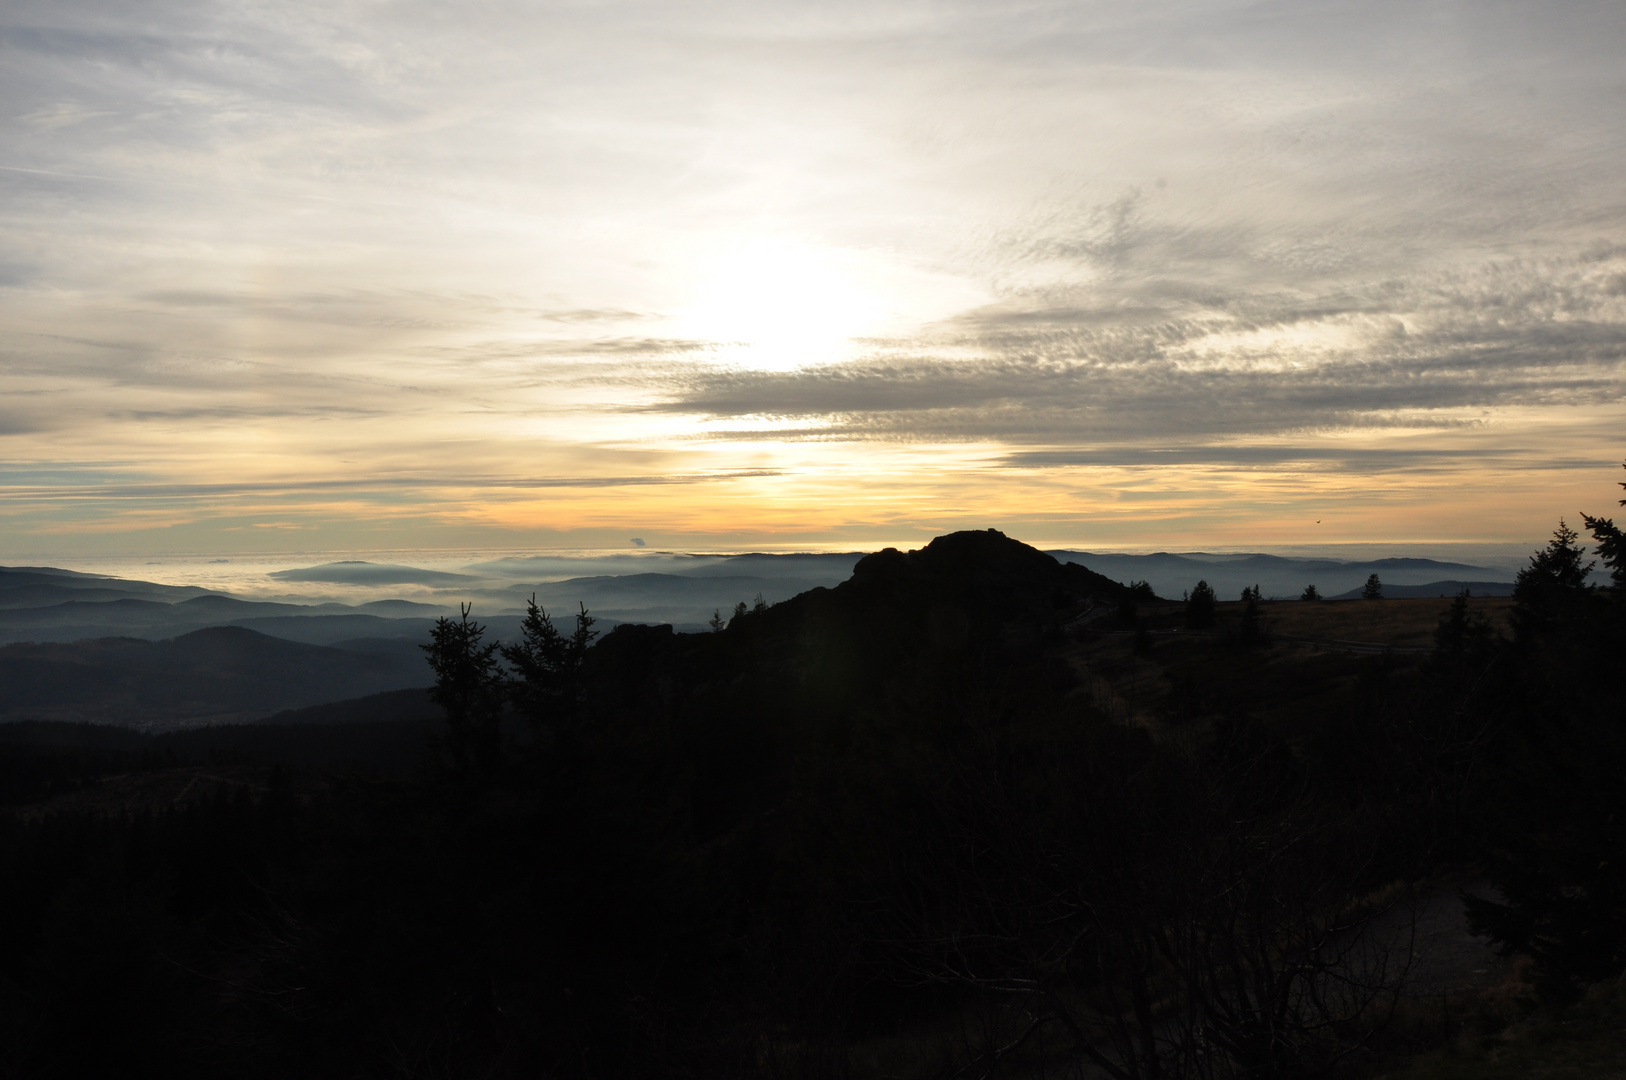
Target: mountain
[686, 601]
[816, 567]
[1435, 588]
[900, 616]
[47, 605]
[39, 586]
[356, 572]
[42, 604]
[222, 659]
[1172, 574]
[220, 674]
[391, 706]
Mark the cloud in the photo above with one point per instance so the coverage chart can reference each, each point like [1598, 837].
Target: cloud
[1351, 459]
[1424, 353]
[27, 487]
[62, 114]
[250, 247]
[16, 422]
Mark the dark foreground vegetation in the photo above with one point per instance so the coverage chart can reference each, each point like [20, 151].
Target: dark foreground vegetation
[971, 813]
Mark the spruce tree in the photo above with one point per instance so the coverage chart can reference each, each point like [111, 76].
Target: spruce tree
[469, 687]
[546, 685]
[1552, 588]
[1200, 607]
[1611, 548]
[1556, 849]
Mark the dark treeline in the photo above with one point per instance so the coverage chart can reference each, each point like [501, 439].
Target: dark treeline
[884, 829]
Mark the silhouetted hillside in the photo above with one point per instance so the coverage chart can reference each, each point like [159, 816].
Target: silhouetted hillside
[1276, 575]
[939, 820]
[40, 604]
[1435, 588]
[218, 674]
[359, 572]
[904, 623]
[103, 768]
[392, 705]
[35, 586]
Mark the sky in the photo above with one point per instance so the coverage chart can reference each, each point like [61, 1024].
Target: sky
[369, 275]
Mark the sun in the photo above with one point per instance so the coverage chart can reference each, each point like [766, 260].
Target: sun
[780, 305]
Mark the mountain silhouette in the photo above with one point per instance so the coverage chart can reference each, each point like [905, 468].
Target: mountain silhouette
[217, 674]
[915, 616]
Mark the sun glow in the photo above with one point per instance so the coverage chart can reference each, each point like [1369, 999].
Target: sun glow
[779, 305]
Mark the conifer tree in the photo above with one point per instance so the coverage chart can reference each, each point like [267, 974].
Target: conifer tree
[536, 659]
[1550, 589]
[1200, 606]
[1611, 548]
[1252, 633]
[1557, 851]
[468, 686]
[547, 665]
[1461, 632]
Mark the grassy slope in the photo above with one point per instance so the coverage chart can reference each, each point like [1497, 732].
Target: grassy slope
[1584, 1042]
[1181, 681]
[1390, 622]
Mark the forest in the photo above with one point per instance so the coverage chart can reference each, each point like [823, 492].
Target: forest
[971, 813]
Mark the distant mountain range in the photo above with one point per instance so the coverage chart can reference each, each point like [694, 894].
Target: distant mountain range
[357, 572]
[44, 604]
[224, 674]
[1171, 575]
[88, 647]
[1434, 588]
[113, 650]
